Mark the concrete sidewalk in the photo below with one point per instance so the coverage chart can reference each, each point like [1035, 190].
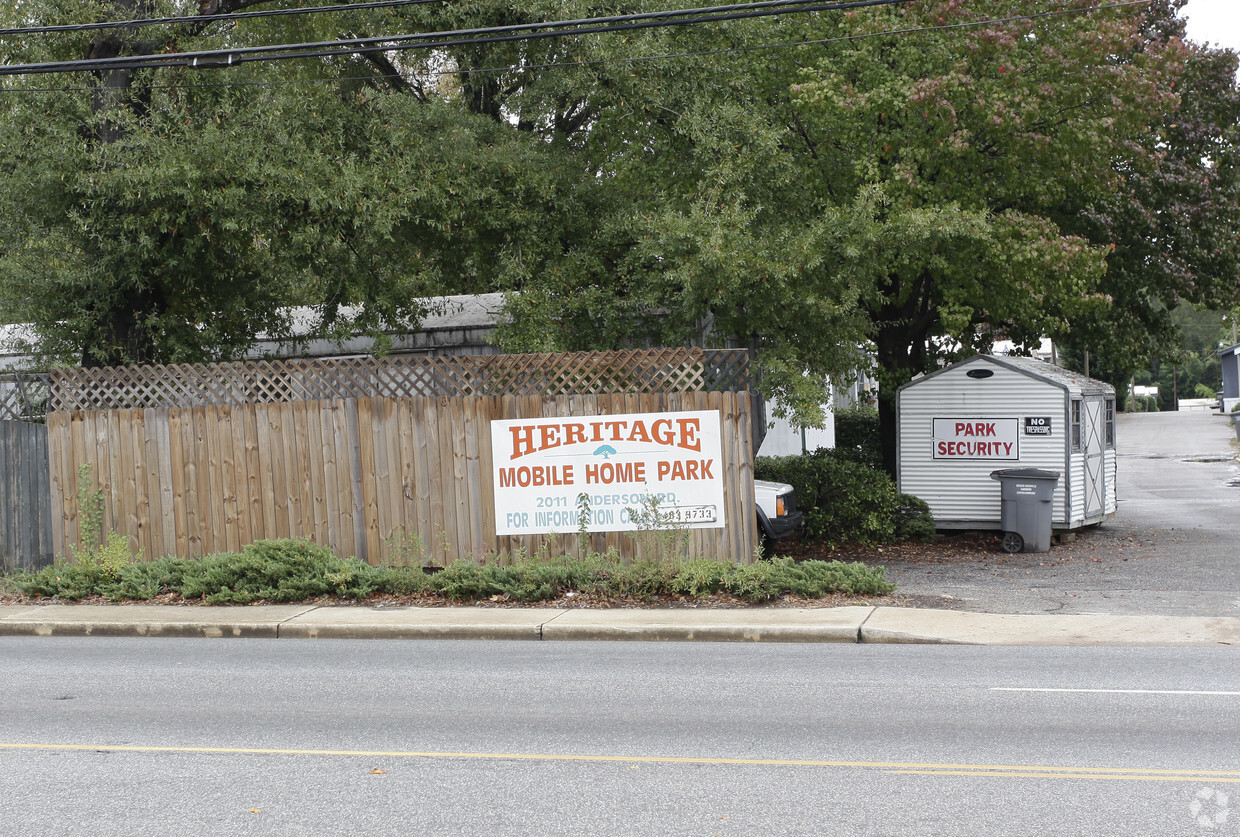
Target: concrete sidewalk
[841, 624]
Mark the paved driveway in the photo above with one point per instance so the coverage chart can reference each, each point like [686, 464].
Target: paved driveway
[1173, 547]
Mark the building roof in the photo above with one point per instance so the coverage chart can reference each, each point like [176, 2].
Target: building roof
[1034, 368]
[1058, 374]
[451, 322]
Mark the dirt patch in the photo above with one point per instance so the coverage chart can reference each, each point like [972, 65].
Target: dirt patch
[956, 548]
[980, 549]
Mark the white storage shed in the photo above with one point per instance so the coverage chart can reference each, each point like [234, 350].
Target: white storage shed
[959, 424]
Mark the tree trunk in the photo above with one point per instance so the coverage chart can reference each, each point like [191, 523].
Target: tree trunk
[120, 335]
[901, 333]
[892, 348]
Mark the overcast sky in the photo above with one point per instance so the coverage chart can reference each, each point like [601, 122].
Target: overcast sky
[1214, 21]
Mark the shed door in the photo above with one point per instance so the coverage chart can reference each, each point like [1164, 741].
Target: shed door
[1094, 442]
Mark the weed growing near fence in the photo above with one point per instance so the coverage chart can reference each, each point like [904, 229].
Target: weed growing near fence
[97, 551]
[659, 535]
[406, 549]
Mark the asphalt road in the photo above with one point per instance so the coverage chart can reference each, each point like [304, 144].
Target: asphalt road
[107, 737]
[1173, 547]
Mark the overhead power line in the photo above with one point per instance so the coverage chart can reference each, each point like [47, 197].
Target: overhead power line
[230, 16]
[642, 58]
[456, 37]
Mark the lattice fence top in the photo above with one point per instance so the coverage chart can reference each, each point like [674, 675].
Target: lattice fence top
[579, 373]
[23, 397]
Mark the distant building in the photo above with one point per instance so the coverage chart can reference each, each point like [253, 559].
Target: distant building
[1230, 358]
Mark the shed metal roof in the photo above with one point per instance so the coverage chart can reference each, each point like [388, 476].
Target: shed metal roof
[1066, 378]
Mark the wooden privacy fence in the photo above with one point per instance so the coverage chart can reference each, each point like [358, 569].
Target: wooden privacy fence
[25, 492]
[362, 454]
[25, 495]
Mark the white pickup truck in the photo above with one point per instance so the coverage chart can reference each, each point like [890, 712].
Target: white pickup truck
[777, 512]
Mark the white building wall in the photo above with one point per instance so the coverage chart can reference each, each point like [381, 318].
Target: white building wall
[783, 439]
[960, 492]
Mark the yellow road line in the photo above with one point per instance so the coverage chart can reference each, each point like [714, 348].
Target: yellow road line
[948, 769]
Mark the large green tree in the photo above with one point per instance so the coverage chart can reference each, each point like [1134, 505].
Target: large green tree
[173, 214]
[968, 153]
[922, 179]
[1173, 219]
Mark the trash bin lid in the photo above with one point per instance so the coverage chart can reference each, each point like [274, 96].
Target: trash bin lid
[1024, 474]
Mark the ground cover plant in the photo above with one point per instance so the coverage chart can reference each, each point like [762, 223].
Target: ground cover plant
[296, 570]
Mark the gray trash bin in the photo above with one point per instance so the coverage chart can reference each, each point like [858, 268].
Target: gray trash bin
[1026, 508]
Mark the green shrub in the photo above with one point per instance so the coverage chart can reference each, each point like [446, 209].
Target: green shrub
[855, 503]
[913, 519]
[464, 581]
[403, 581]
[296, 570]
[756, 582]
[278, 571]
[642, 580]
[701, 577]
[147, 580]
[530, 580]
[857, 437]
[814, 579]
[843, 500]
[766, 580]
[61, 581]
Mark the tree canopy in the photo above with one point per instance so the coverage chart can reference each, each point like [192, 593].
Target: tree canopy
[922, 178]
[171, 215]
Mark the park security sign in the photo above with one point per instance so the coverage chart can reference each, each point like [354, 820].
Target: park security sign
[549, 471]
[975, 438]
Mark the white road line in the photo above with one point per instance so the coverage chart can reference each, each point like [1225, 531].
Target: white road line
[1114, 691]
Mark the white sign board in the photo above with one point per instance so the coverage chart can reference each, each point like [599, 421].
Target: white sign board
[543, 466]
[975, 438]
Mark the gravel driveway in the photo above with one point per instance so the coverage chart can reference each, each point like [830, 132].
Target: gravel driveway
[1173, 547]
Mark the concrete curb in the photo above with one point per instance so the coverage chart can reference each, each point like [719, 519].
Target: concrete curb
[417, 623]
[839, 624]
[147, 620]
[858, 624]
[912, 625]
